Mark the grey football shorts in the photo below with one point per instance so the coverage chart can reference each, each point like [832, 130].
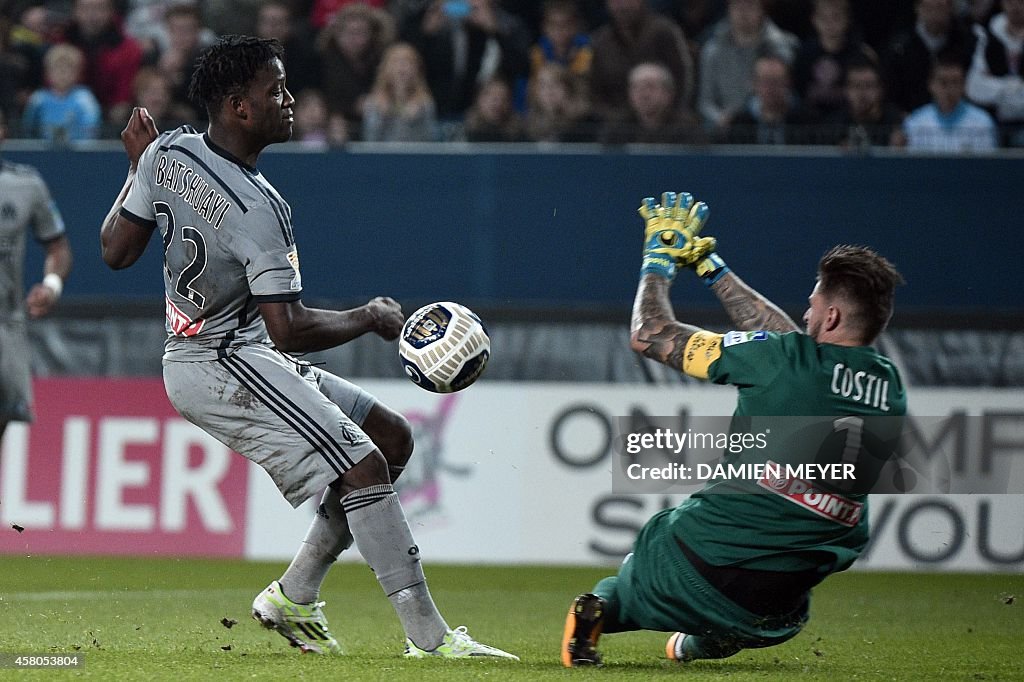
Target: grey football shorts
[299, 422]
[15, 376]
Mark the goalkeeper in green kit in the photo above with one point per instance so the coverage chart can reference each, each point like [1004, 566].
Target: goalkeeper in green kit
[726, 572]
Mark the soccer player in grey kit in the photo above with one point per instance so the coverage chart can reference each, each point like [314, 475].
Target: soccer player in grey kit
[25, 203]
[234, 313]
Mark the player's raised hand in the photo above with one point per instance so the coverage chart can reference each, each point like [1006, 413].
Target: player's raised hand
[387, 317]
[671, 231]
[136, 136]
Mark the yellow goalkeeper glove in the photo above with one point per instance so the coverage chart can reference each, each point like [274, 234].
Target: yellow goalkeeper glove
[671, 234]
[712, 268]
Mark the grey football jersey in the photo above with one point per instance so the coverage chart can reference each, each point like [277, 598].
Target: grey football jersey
[227, 241]
[24, 202]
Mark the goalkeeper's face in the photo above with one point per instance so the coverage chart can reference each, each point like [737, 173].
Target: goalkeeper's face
[817, 312]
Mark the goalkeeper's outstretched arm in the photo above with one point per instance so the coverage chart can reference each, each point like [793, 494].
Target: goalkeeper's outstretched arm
[654, 330]
[749, 310]
[671, 241]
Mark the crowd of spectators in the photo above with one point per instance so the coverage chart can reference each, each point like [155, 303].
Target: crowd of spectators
[937, 75]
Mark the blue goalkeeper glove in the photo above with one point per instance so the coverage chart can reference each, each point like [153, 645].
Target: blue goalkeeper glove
[671, 231]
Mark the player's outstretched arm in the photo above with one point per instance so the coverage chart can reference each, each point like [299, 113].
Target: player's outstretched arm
[294, 328]
[654, 330]
[749, 310]
[671, 241]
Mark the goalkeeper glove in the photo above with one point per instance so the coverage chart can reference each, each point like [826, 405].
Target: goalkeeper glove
[712, 268]
[670, 234]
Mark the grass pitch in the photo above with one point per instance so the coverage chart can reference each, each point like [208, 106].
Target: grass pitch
[141, 619]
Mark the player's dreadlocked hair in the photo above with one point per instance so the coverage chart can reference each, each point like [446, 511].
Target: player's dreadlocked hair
[227, 67]
[865, 279]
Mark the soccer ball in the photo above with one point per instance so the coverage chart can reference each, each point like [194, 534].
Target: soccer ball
[444, 347]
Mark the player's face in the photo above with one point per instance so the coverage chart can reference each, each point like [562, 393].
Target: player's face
[271, 105]
[817, 311]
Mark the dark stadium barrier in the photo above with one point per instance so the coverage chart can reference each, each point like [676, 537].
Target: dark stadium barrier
[511, 226]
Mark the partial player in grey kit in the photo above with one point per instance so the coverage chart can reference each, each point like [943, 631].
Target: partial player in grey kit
[234, 312]
[25, 204]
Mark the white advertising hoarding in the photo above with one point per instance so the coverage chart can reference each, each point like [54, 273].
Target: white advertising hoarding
[521, 473]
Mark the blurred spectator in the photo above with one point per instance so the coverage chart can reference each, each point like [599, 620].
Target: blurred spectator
[909, 58]
[819, 69]
[866, 119]
[773, 115]
[301, 61]
[654, 115]
[697, 18]
[146, 23]
[950, 123]
[65, 110]
[111, 58]
[231, 16]
[350, 49]
[338, 130]
[980, 12]
[154, 91]
[558, 110]
[995, 77]
[13, 75]
[324, 10]
[793, 16]
[312, 121]
[531, 12]
[492, 118]
[400, 107]
[28, 41]
[635, 34]
[183, 25]
[562, 40]
[880, 20]
[727, 59]
[464, 44]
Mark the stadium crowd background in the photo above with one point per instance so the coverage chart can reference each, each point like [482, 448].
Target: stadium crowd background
[934, 75]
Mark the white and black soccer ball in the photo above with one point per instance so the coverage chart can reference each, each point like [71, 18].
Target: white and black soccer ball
[444, 347]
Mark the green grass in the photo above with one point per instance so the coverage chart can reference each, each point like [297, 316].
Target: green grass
[139, 619]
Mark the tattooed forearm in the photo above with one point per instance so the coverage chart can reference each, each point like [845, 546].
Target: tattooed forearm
[748, 309]
[655, 331]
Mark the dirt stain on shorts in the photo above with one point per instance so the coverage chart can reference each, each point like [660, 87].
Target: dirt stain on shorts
[243, 399]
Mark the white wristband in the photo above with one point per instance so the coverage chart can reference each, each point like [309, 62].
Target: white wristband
[54, 283]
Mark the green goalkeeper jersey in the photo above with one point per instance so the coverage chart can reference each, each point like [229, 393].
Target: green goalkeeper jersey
[787, 523]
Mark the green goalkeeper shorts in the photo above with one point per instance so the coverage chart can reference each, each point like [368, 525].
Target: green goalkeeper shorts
[657, 588]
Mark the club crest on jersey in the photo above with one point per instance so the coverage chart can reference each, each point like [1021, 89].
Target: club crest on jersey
[293, 260]
[734, 338]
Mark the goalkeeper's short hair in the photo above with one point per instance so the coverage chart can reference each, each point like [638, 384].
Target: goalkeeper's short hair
[866, 280]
